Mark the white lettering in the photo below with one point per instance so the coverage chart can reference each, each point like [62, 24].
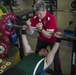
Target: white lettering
[73, 62]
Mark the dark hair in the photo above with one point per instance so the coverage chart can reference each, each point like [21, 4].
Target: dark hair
[40, 5]
[40, 50]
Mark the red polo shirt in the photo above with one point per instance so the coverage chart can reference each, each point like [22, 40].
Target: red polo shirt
[49, 22]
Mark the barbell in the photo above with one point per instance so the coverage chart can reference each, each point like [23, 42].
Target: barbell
[71, 38]
[66, 37]
[8, 26]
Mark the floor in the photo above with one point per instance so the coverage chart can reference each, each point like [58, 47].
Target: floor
[63, 19]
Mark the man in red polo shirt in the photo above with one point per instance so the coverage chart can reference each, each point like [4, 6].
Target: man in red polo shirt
[45, 24]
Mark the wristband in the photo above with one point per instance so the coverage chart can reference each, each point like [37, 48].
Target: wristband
[58, 40]
[23, 31]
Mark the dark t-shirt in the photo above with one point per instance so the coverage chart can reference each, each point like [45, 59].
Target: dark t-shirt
[28, 63]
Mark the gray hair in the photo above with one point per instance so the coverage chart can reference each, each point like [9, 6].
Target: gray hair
[40, 5]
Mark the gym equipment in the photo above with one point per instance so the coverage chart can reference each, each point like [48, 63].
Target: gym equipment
[6, 24]
[16, 26]
[71, 30]
[7, 30]
[13, 38]
[4, 10]
[4, 38]
[1, 12]
[73, 4]
[73, 59]
[4, 49]
[20, 26]
[24, 12]
[64, 36]
[19, 40]
[7, 2]
[67, 37]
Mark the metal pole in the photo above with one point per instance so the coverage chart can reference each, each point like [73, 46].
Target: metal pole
[19, 39]
[9, 3]
[73, 59]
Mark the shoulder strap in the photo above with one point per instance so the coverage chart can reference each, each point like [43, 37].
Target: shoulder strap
[34, 72]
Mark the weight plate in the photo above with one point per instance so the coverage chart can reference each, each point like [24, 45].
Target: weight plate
[4, 38]
[1, 12]
[7, 24]
[4, 10]
[73, 4]
[4, 49]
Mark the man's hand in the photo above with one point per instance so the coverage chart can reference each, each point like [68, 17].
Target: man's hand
[58, 35]
[39, 26]
[28, 22]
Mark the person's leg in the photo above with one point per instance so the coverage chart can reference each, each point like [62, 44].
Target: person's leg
[11, 71]
[40, 44]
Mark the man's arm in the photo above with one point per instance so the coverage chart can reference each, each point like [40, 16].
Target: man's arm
[26, 46]
[45, 33]
[39, 28]
[30, 29]
[51, 27]
[51, 54]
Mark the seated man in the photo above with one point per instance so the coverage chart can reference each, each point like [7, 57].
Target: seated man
[32, 63]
